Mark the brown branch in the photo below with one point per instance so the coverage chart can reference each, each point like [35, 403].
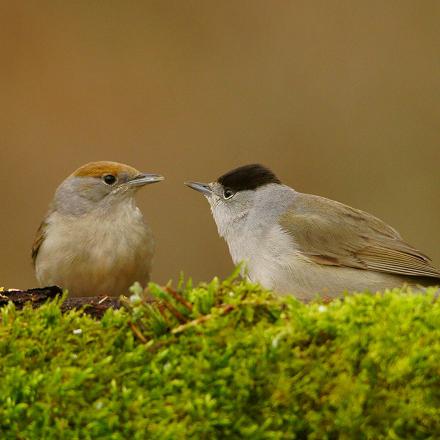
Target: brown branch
[94, 306]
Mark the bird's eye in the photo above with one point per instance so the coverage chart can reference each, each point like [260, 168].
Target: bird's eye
[109, 179]
[228, 193]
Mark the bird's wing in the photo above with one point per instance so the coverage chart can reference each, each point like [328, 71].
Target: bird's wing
[39, 238]
[331, 233]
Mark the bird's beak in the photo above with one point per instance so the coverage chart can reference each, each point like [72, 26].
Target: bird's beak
[204, 188]
[145, 179]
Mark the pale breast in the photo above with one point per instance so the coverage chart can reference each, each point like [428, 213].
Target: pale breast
[96, 255]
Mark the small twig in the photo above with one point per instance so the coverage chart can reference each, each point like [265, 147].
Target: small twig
[228, 308]
[179, 298]
[102, 299]
[175, 312]
[193, 323]
[161, 308]
[137, 332]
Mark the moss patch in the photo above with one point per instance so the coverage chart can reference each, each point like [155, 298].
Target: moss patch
[224, 360]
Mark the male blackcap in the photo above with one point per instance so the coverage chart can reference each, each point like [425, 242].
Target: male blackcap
[93, 240]
[305, 244]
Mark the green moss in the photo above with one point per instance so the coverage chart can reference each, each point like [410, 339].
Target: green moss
[236, 363]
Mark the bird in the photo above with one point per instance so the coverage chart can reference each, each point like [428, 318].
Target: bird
[307, 245]
[93, 240]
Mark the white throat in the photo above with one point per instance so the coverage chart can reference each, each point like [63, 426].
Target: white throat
[246, 222]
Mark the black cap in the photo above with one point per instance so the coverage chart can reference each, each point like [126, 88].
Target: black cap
[248, 177]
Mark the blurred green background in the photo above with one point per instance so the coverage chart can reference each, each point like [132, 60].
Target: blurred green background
[339, 98]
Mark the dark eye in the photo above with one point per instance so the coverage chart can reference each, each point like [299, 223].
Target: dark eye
[109, 179]
[228, 193]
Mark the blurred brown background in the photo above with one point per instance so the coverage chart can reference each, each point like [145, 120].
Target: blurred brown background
[340, 98]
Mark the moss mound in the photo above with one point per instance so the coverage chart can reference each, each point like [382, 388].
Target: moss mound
[224, 360]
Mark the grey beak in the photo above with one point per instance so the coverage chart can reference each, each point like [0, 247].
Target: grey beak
[204, 188]
[145, 179]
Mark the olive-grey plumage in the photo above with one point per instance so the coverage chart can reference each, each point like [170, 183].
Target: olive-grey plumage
[305, 244]
[335, 234]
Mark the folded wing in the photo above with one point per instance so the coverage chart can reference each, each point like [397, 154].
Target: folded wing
[331, 233]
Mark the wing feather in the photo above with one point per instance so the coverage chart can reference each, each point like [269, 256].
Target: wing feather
[39, 238]
[331, 233]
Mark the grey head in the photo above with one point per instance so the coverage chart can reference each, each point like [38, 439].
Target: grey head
[99, 185]
[238, 192]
